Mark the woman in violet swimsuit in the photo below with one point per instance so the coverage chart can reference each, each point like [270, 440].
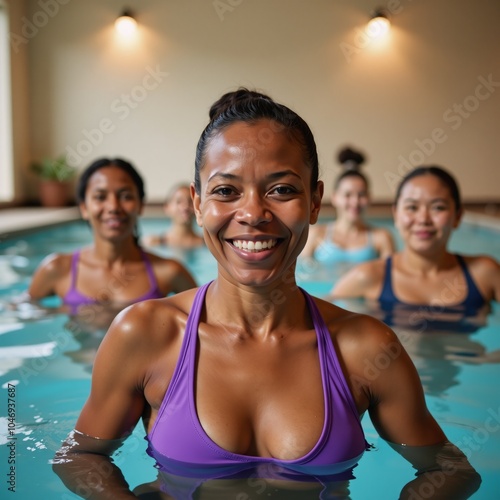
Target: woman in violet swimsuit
[248, 376]
[114, 270]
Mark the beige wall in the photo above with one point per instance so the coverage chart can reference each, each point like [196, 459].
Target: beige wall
[424, 85]
[20, 100]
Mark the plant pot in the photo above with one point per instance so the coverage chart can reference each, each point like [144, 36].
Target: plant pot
[54, 193]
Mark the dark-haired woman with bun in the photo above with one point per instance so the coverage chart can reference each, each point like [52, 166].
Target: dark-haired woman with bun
[114, 270]
[427, 209]
[349, 238]
[249, 380]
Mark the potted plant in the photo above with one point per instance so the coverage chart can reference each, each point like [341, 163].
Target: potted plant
[56, 176]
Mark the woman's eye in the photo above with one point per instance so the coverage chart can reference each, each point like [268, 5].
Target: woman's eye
[223, 191]
[283, 190]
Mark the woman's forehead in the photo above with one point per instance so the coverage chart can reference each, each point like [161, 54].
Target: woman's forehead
[425, 186]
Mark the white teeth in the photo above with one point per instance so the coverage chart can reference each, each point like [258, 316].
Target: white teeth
[254, 246]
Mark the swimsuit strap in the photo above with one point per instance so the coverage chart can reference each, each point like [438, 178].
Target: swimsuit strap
[329, 360]
[186, 352]
[387, 293]
[74, 270]
[474, 297]
[149, 269]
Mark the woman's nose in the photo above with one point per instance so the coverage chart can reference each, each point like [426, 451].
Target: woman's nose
[253, 210]
[112, 203]
[423, 214]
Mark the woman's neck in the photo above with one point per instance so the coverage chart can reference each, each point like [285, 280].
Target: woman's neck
[114, 252]
[257, 312]
[419, 263]
[346, 226]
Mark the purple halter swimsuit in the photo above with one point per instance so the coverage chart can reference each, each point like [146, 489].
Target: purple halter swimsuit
[180, 445]
[75, 298]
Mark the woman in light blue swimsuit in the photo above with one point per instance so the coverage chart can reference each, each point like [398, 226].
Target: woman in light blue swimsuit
[349, 239]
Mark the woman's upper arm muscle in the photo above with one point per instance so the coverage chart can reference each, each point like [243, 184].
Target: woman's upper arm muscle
[384, 243]
[172, 276]
[47, 276]
[397, 404]
[116, 401]
[182, 279]
[383, 380]
[356, 283]
[486, 272]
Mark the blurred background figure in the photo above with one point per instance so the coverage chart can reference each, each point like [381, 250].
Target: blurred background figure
[349, 238]
[178, 207]
[114, 270]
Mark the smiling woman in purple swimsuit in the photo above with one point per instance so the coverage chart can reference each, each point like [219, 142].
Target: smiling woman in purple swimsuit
[249, 376]
[114, 270]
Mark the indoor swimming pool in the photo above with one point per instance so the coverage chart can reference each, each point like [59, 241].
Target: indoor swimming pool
[46, 359]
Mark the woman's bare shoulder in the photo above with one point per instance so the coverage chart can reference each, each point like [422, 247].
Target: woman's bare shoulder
[57, 263]
[485, 263]
[346, 324]
[49, 274]
[358, 338]
[485, 271]
[160, 321]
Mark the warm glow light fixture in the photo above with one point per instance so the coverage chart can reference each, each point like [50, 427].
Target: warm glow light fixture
[126, 24]
[379, 25]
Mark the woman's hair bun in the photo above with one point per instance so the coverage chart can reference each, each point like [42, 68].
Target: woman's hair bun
[230, 99]
[350, 158]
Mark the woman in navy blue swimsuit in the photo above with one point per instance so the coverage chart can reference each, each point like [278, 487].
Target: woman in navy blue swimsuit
[248, 376]
[426, 210]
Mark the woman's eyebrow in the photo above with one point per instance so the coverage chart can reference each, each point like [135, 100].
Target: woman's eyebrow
[271, 176]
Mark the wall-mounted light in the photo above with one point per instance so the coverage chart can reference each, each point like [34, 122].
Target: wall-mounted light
[126, 25]
[379, 25]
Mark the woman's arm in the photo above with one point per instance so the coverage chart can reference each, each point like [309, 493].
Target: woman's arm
[113, 408]
[84, 466]
[358, 282]
[395, 401]
[489, 274]
[181, 279]
[172, 276]
[48, 275]
[384, 243]
[443, 472]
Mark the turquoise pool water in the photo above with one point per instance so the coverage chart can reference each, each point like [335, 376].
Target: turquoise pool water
[45, 365]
